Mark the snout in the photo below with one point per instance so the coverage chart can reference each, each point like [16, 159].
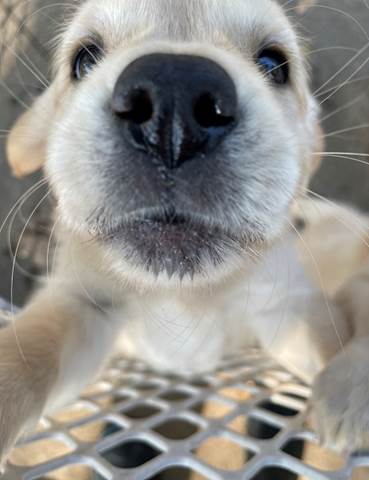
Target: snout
[175, 108]
[186, 162]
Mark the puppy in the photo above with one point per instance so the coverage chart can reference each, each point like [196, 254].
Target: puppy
[176, 137]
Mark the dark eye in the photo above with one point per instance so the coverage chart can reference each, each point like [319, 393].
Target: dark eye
[275, 66]
[86, 58]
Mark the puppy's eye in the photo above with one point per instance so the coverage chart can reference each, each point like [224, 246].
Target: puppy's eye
[275, 66]
[86, 58]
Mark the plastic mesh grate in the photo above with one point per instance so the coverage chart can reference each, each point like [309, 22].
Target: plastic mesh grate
[245, 421]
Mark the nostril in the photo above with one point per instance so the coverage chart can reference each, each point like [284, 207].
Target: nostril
[138, 107]
[174, 108]
[209, 113]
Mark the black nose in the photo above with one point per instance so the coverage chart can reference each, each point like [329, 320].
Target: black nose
[175, 107]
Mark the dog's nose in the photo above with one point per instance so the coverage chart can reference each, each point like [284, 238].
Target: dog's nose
[175, 107]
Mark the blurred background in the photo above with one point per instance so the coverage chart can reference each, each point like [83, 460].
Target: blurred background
[337, 44]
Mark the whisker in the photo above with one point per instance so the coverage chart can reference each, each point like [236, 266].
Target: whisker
[340, 87]
[340, 70]
[339, 11]
[333, 47]
[321, 282]
[15, 254]
[24, 197]
[364, 78]
[14, 95]
[83, 287]
[343, 107]
[333, 154]
[347, 130]
[21, 352]
[360, 229]
[52, 232]
[10, 228]
[37, 74]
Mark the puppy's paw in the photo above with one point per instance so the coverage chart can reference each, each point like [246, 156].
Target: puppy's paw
[341, 401]
[20, 410]
[22, 397]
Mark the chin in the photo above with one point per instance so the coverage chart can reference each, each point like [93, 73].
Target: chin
[178, 251]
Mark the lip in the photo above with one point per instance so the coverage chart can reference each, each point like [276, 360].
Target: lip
[165, 222]
[171, 241]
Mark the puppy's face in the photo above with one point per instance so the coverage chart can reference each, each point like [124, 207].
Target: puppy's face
[176, 133]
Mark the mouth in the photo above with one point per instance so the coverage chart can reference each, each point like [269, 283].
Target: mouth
[172, 242]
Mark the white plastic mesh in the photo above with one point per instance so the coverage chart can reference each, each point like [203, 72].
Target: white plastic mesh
[245, 421]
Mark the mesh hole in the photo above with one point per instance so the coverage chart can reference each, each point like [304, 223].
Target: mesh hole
[107, 401]
[315, 456]
[295, 396]
[39, 452]
[281, 375]
[127, 380]
[212, 409]
[200, 383]
[100, 387]
[237, 394]
[274, 473]
[148, 387]
[80, 472]
[131, 454]
[177, 429]
[140, 412]
[229, 455]
[254, 427]
[93, 432]
[175, 396]
[266, 382]
[227, 376]
[174, 378]
[180, 473]
[73, 413]
[278, 409]
[295, 392]
[360, 473]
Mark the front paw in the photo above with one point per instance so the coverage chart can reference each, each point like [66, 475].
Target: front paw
[341, 400]
[22, 394]
[20, 410]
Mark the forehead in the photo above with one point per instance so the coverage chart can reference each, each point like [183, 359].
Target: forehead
[183, 20]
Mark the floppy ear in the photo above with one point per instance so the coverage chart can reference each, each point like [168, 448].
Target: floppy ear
[297, 6]
[304, 5]
[26, 145]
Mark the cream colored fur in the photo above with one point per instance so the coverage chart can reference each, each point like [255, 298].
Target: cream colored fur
[94, 301]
